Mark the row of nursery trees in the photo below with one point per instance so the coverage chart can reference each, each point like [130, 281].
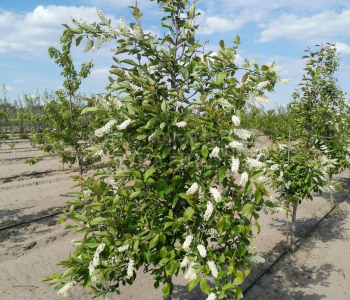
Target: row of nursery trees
[184, 184]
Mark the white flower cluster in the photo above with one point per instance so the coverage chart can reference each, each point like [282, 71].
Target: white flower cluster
[262, 85]
[191, 273]
[98, 154]
[244, 179]
[96, 260]
[66, 289]
[123, 248]
[100, 41]
[225, 104]
[257, 259]
[184, 262]
[211, 296]
[138, 33]
[83, 24]
[215, 153]
[115, 102]
[272, 210]
[234, 165]
[262, 99]
[236, 145]
[243, 134]
[123, 125]
[188, 241]
[178, 103]
[193, 189]
[89, 45]
[105, 129]
[202, 251]
[254, 163]
[283, 81]
[208, 211]
[236, 120]
[130, 270]
[213, 269]
[274, 167]
[101, 16]
[87, 192]
[253, 62]
[134, 87]
[287, 185]
[181, 124]
[216, 194]
[113, 183]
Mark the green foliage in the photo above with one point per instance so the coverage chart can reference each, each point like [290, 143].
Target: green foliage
[4, 136]
[169, 199]
[23, 135]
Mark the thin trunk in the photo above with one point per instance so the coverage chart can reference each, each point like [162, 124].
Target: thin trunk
[331, 192]
[292, 236]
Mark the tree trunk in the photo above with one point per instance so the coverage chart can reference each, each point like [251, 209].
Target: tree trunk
[292, 236]
[331, 192]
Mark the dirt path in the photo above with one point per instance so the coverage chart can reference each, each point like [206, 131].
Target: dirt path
[320, 269]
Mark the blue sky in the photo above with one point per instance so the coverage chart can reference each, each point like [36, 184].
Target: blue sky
[271, 30]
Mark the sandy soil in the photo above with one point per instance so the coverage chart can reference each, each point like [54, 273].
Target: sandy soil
[320, 268]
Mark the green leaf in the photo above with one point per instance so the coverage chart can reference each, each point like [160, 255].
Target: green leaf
[185, 73]
[237, 40]
[163, 252]
[221, 77]
[204, 286]
[239, 278]
[205, 151]
[222, 171]
[222, 44]
[165, 289]
[99, 220]
[148, 173]
[247, 209]
[137, 14]
[167, 25]
[130, 62]
[188, 213]
[257, 196]
[191, 12]
[221, 223]
[192, 284]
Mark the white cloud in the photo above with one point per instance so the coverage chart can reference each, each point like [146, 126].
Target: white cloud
[19, 80]
[31, 34]
[325, 25]
[103, 72]
[344, 49]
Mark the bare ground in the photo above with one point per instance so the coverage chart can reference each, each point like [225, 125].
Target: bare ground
[320, 268]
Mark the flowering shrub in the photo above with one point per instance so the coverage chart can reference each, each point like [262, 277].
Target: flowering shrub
[178, 195]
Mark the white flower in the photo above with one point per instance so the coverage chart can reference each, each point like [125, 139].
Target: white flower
[211, 296]
[135, 88]
[213, 269]
[283, 81]
[215, 153]
[262, 85]
[234, 165]
[288, 185]
[96, 260]
[263, 99]
[236, 120]
[130, 270]
[181, 124]
[105, 129]
[208, 211]
[202, 250]
[98, 153]
[66, 289]
[193, 189]
[187, 243]
[83, 24]
[87, 192]
[123, 125]
[253, 163]
[216, 194]
[274, 167]
[184, 262]
[101, 16]
[244, 179]
[253, 62]
[257, 259]
[236, 145]
[243, 134]
[191, 273]
[224, 103]
[178, 103]
[137, 32]
[123, 248]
